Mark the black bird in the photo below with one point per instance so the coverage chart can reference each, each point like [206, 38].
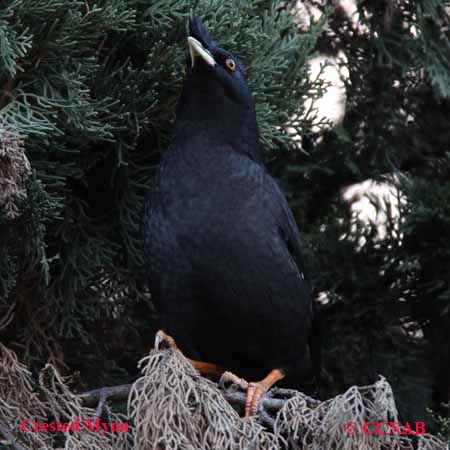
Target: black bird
[223, 250]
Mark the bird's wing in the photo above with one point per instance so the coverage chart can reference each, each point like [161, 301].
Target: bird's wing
[292, 238]
[288, 227]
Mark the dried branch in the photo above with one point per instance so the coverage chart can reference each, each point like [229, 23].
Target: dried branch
[9, 439]
[119, 392]
[101, 404]
[268, 401]
[174, 407]
[8, 316]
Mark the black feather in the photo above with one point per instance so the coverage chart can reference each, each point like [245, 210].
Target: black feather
[222, 247]
[199, 32]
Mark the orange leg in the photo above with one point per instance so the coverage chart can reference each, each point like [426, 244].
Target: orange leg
[207, 368]
[163, 340]
[255, 389]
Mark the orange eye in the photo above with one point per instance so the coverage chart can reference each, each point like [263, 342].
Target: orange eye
[231, 64]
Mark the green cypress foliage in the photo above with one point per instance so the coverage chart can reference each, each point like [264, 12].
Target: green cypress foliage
[91, 88]
[388, 308]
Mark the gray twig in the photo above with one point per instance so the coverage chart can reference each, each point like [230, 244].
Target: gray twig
[101, 403]
[268, 402]
[9, 439]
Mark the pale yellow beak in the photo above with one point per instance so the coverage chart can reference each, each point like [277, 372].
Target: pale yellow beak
[197, 50]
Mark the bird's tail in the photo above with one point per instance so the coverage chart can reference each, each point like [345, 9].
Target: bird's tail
[315, 347]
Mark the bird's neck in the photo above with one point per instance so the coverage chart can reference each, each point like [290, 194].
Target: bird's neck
[214, 118]
[236, 128]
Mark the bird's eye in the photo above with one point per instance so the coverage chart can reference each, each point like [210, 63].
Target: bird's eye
[231, 64]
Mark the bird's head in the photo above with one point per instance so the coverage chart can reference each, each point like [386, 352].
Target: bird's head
[213, 70]
[215, 93]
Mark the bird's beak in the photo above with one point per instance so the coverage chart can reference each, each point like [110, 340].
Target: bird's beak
[197, 50]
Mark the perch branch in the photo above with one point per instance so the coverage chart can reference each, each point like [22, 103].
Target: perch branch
[234, 397]
[101, 403]
[119, 392]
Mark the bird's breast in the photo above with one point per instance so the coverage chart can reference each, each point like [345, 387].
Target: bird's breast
[203, 201]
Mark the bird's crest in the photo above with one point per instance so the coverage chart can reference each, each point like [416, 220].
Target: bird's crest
[199, 32]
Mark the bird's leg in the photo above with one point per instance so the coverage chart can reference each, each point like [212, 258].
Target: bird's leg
[163, 340]
[255, 389]
[207, 368]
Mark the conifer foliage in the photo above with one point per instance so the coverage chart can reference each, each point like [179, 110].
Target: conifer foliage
[88, 94]
[385, 291]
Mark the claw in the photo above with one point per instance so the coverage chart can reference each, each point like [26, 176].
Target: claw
[229, 377]
[163, 341]
[255, 391]
[158, 340]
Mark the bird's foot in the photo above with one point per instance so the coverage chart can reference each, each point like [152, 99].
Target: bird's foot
[255, 389]
[164, 341]
[229, 377]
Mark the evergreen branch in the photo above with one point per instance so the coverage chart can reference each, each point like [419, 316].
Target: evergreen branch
[271, 402]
